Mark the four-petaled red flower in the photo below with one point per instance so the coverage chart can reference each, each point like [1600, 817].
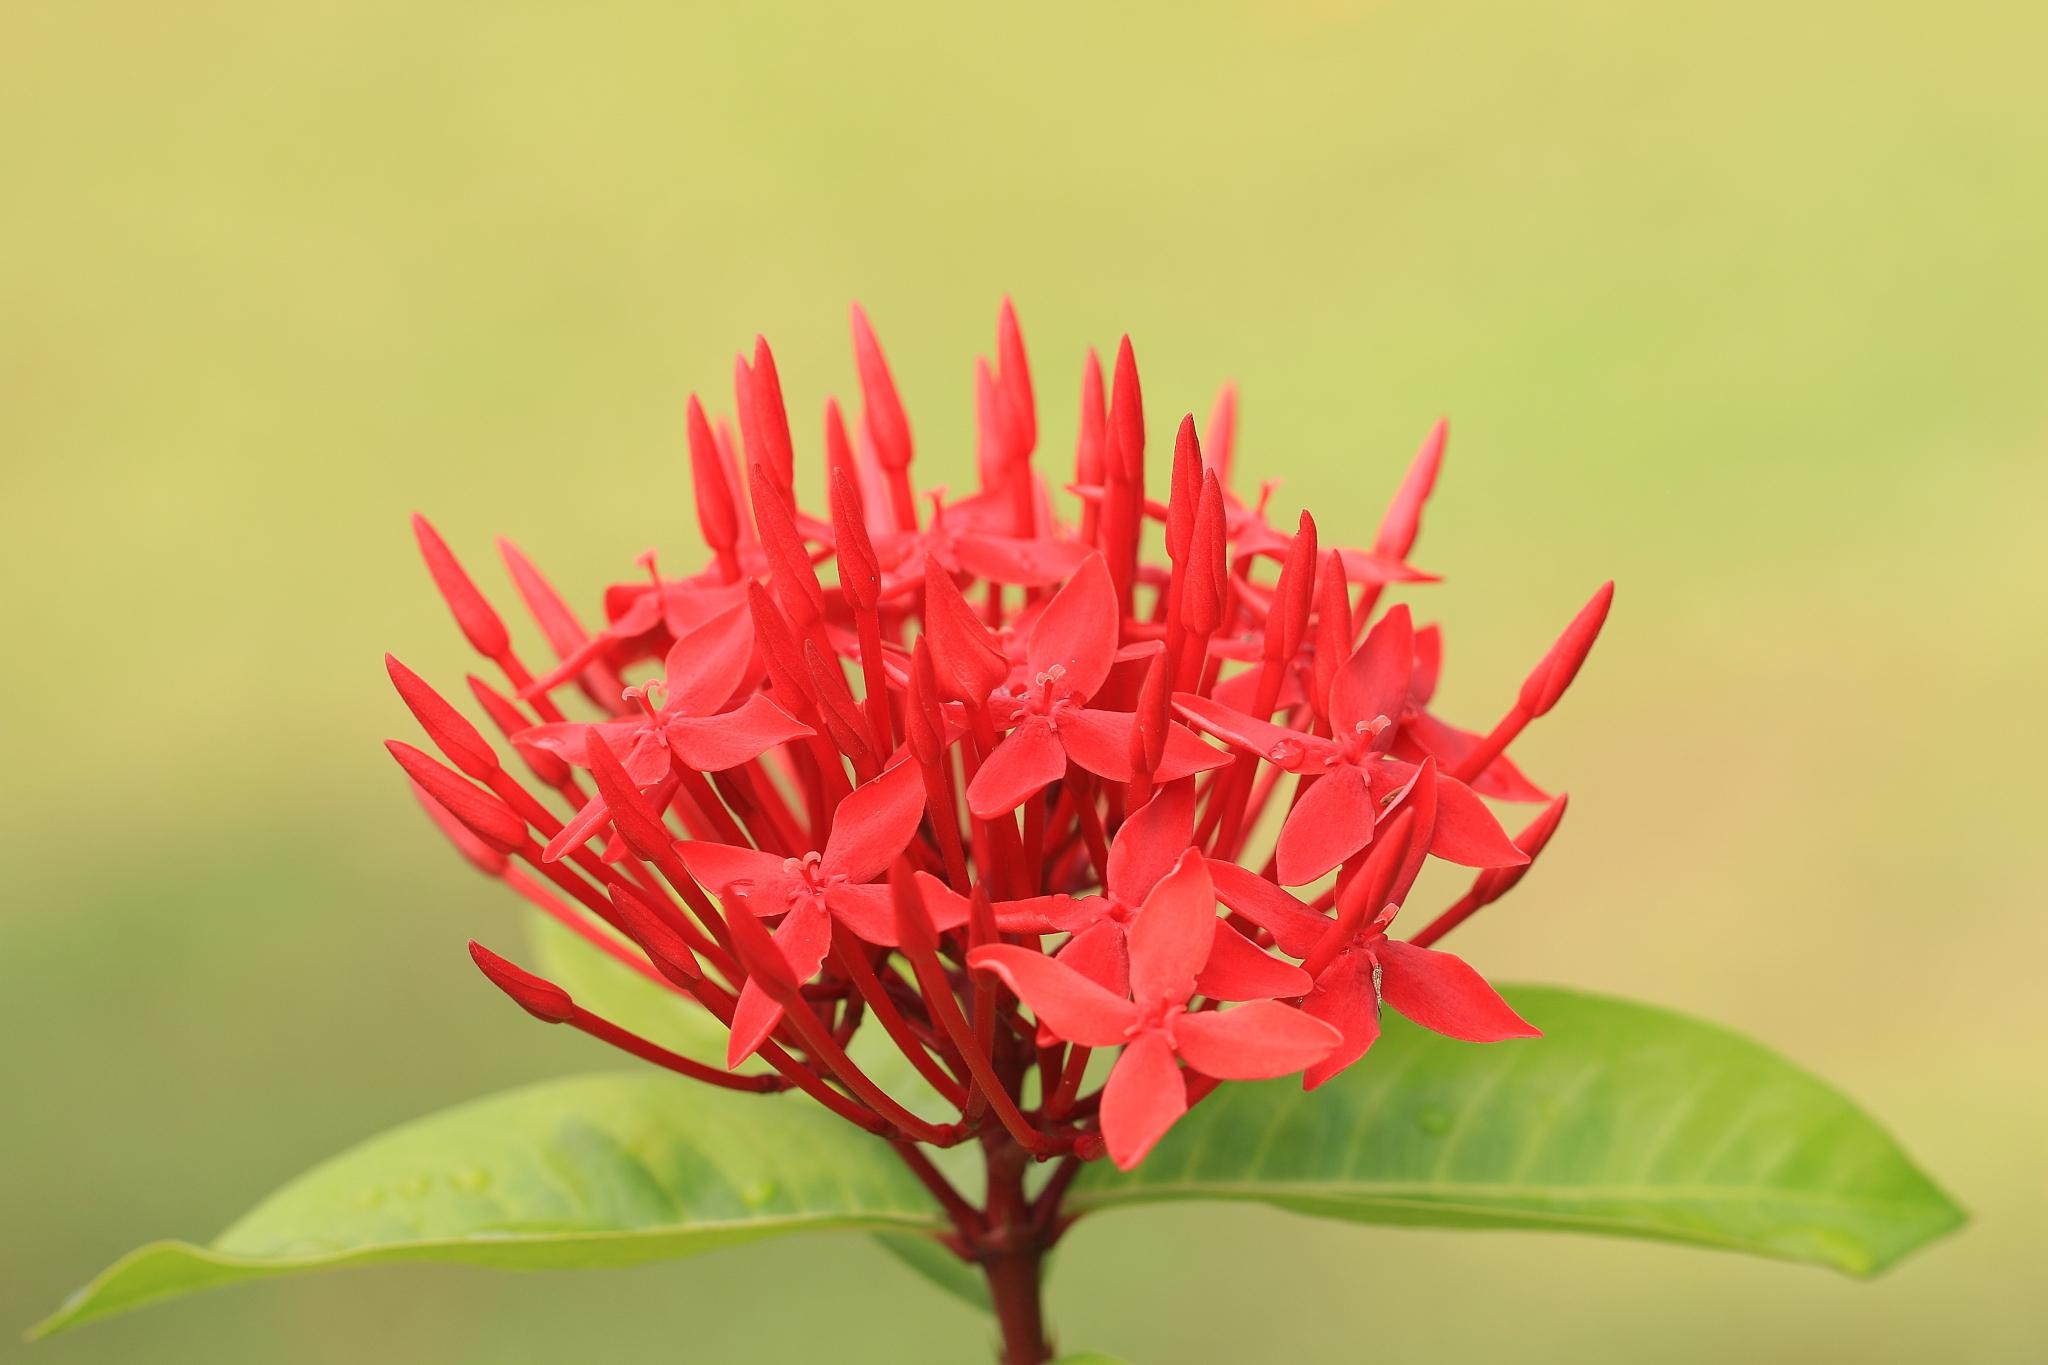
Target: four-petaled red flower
[1068, 656]
[1172, 939]
[814, 888]
[1355, 778]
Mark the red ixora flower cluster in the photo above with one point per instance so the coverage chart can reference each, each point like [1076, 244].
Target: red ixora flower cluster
[997, 782]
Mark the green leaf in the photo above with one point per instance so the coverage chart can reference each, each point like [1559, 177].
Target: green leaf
[1622, 1120]
[939, 1267]
[604, 986]
[1088, 1358]
[595, 1171]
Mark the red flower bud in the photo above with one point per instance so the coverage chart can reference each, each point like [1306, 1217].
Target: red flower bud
[914, 928]
[966, 659]
[717, 518]
[565, 634]
[481, 813]
[1558, 667]
[764, 422]
[1403, 521]
[510, 720]
[860, 573]
[479, 622]
[637, 822]
[664, 946]
[450, 730]
[789, 563]
[1293, 595]
[1184, 492]
[544, 1000]
[486, 859]
[1015, 373]
[883, 409]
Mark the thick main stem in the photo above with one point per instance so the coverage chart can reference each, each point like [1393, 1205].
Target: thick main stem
[1012, 1256]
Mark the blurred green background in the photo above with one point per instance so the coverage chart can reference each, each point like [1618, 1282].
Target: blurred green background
[1743, 305]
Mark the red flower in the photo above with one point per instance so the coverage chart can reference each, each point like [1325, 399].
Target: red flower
[983, 705]
[1069, 653]
[1151, 844]
[1171, 940]
[1355, 778]
[809, 891]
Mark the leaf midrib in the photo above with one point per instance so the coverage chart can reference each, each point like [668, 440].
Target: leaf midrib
[1422, 1192]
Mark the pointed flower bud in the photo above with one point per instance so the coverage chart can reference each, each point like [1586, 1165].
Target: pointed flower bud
[923, 720]
[882, 408]
[717, 518]
[450, 730]
[1293, 595]
[789, 564]
[1561, 664]
[510, 720]
[542, 999]
[664, 946]
[635, 820]
[479, 621]
[1185, 491]
[1015, 373]
[860, 572]
[481, 813]
[967, 660]
[487, 860]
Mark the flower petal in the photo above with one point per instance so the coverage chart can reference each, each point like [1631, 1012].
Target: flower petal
[570, 740]
[1239, 969]
[727, 868]
[1029, 759]
[711, 744]
[875, 823]
[1374, 682]
[1186, 755]
[1253, 1042]
[647, 761]
[1332, 821]
[1074, 1007]
[1294, 927]
[1036, 563]
[1346, 998]
[1151, 842]
[803, 939]
[1173, 934]
[1056, 914]
[1102, 953]
[705, 667]
[1077, 630]
[1100, 741]
[945, 907]
[1424, 736]
[1143, 1098]
[1467, 832]
[1293, 750]
[1441, 991]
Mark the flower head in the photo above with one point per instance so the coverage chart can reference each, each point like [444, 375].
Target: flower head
[988, 774]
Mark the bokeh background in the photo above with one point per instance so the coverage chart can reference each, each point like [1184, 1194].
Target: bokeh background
[1742, 304]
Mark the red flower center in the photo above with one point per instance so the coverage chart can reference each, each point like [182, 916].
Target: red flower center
[1047, 694]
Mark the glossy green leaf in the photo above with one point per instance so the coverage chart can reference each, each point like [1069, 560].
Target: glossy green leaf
[603, 985]
[601, 1170]
[938, 1266]
[1623, 1120]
